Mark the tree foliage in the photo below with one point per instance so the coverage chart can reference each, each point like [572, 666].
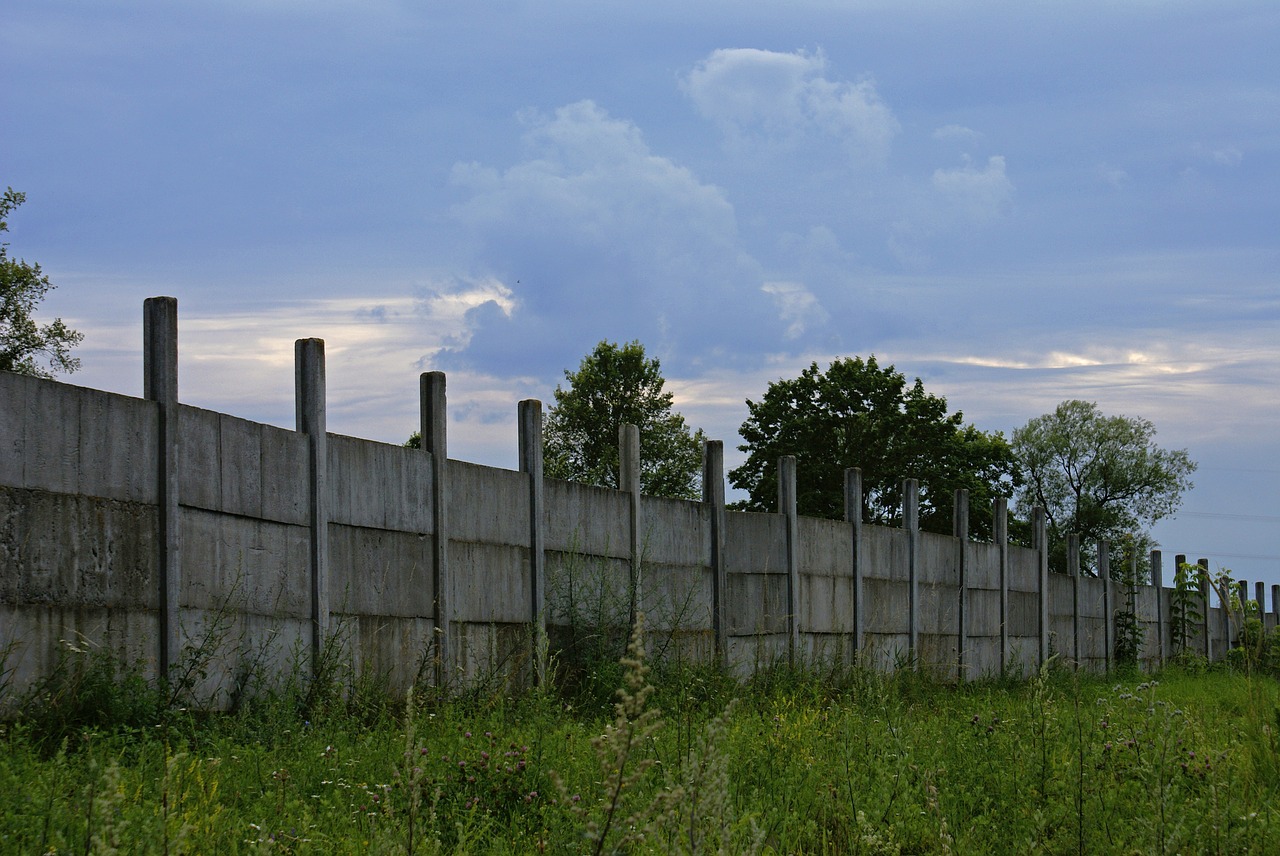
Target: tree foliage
[857, 414]
[25, 345]
[1101, 477]
[616, 385]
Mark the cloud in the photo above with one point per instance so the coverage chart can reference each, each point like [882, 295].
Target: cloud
[596, 237]
[777, 98]
[957, 133]
[978, 194]
[797, 306]
[1219, 155]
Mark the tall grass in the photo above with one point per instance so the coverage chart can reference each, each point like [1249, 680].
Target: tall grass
[683, 761]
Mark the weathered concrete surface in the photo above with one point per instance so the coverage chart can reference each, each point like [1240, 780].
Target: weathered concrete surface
[68, 439]
[380, 486]
[73, 550]
[79, 550]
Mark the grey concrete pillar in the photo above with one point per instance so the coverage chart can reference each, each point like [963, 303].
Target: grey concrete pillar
[713, 497]
[160, 384]
[433, 422]
[1109, 622]
[1242, 592]
[1260, 595]
[1275, 605]
[787, 507]
[1000, 533]
[911, 523]
[629, 483]
[1042, 578]
[309, 400]
[853, 516]
[1207, 624]
[530, 415]
[960, 528]
[1073, 568]
[1162, 620]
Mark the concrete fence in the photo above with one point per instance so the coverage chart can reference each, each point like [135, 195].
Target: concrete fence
[171, 537]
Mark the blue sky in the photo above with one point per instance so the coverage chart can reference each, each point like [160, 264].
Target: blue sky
[1018, 202]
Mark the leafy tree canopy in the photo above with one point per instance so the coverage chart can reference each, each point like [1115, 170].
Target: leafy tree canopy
[857, 414]
[1101, 477]
[24, 344]
[616, 385]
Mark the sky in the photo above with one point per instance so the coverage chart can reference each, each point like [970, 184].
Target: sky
[1019, 203]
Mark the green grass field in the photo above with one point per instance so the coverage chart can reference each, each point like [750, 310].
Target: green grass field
[691, 762]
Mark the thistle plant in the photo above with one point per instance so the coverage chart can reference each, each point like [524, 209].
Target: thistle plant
[621, 818]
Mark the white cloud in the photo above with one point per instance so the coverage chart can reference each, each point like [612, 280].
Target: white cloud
[979, 194]
[606, 240]
[780, 98]
[1113, 175]
[957, 133]
[797, 306]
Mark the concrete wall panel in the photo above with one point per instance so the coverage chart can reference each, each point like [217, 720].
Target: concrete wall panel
[982, 613]
[676, 596]
[826, 547]
[381, 486]
[587, 588]
[750, 654]
[586, 519]
[886, 610]
[496, 508]
[69, 439]
[42, 638]
[938, 559]
[1024, 569]
[380, 572]
[1024, 614]
[885, 553]
[118, 447]
[675, 531]
[939, 609]
[77, 550]
[756, 603]
[491, 582]
[244, 565]
[755, 543]
[983, 571]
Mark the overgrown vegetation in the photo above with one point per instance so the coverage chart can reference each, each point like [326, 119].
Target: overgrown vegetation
[682, 762]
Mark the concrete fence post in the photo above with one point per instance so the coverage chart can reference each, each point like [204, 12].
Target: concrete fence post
[1073, 569]
[960, 528]
[1226, 618]
[160, 384]
[1260, 595]
[1207, 625]
[1042, 578]
[433, 424]
[853, 516]
[629, 483]
[713, 497]
[1108, 624]
[787, 507]
[309, 401]
[1000, 533]
[530, 417]
[1242, 592]
[1275, 605]
[1162, 620]
[911, 522]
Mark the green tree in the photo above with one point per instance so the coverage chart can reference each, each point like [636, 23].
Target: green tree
[616, 385]
[857, 414]
[24, 344]
[1101, 477]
